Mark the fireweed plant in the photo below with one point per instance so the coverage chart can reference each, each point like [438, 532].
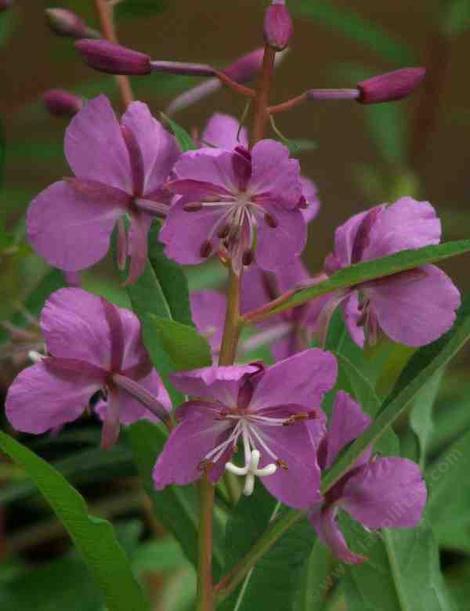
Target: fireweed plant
[236, 195]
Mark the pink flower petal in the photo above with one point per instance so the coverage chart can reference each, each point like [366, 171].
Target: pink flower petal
[386, 493]
[302, 379]
[348, 421]
[95, 148]
[280, 246]
[39, 400]
[416, 307]
[158, 147]
[222, 130]
[70, 229]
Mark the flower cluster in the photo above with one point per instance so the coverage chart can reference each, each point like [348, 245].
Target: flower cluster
[245, 202]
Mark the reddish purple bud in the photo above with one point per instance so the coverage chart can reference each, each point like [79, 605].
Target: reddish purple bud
[5, 4]
[278, 27]
[390, 86]
[245, 67]
[108, 57]
[67, 23]
[61, 103]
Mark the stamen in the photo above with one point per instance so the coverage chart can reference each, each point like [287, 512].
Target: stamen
[192, 207]
[248, 257]
[223, 232]
[282, 464]
[206, 249]
[271, 220]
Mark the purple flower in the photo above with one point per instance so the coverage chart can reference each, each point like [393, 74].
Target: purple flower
[93, 347]
[377, 492]
[290, 331]
[223, 131]
[269, 411]
[120, 169]
[413, 307]
[231, 200]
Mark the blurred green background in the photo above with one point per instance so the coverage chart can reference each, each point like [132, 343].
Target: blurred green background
[362, 156]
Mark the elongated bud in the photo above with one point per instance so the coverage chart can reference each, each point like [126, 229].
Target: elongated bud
[108, 57]
[390, 86]
[245, 67]
[61, 103]
[67, 23]
[278, 27]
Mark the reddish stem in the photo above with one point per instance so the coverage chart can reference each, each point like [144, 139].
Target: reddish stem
[105, 15]
[261, 114]
[288, 104]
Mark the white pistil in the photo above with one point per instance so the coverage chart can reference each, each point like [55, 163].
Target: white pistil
[251, 469]
[35, 356]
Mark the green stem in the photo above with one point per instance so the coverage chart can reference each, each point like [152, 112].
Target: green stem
[205, 592]
[228, 349]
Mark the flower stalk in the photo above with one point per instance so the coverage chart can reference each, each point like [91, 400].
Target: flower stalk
[261, 102]
[104, 11]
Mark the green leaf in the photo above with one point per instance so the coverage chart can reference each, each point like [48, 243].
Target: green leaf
[176, 507]
[183, 344]
[162, 289]
[421, 415]
[183, 138]
[456, 18]
[449, 495]
[363, 391]
[318, 579]
[93, 537]
[371, 270]
[401, 574]
[355, 27]
[246, 523]
[422, 366]
[275, 581]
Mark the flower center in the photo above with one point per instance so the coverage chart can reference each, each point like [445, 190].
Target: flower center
[249, 426]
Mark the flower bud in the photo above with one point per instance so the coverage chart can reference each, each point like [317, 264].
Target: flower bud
[112, 58]
[61, 103]
[390, 86]
[278, 27]
[67, 23]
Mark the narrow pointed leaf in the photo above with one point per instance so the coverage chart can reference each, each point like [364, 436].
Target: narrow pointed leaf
[93, 537]
[364, 272]
[402, 573]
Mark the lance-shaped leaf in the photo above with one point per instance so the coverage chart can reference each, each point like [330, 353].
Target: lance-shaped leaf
[93, 537]
[362, 272]
[182, 343]
[402, 573]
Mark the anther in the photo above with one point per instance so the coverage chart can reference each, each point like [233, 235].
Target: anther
[271, 220]
[282, 464]
[206, 249]
[192, 207]
[223, 231]
[248, 257]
